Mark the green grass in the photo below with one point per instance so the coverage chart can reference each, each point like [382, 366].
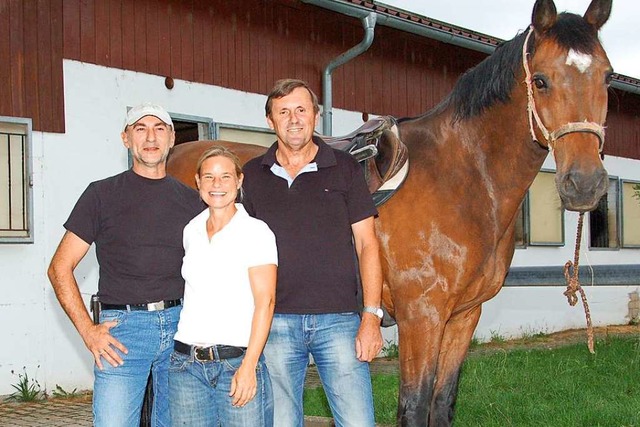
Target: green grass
[27, 389]
[566, 386]
[61, 393]
[390, 350]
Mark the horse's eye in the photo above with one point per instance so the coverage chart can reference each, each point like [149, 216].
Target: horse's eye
[539, 82]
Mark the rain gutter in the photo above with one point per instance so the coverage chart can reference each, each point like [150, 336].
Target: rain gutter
[357, 11]
[625, 87]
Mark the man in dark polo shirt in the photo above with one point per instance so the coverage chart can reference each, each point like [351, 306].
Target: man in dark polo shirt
[315, 200]
[136, 220]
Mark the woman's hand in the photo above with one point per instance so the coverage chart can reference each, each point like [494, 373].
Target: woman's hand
[243, 385]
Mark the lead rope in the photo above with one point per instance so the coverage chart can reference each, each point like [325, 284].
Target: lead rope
[573, 284]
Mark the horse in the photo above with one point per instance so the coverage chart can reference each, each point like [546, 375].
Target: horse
[447, 235]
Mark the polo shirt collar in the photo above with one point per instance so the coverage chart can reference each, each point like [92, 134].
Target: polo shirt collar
[325, 156]
[239, 216]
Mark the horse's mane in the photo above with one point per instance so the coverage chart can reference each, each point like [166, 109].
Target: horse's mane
[493, 80]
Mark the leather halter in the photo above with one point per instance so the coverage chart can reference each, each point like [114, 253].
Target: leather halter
[552, 137]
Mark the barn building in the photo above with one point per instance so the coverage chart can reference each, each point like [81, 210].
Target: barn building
[72, 68]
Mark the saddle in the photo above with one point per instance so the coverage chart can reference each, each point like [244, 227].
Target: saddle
[384, 157]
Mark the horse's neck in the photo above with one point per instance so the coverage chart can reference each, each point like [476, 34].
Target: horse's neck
[495, 148]
[504, 148]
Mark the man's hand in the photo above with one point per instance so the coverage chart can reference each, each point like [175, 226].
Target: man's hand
[96, 337]
[369, 338]
[103, 345]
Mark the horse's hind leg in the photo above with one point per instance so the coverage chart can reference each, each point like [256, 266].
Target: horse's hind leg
[455, 344]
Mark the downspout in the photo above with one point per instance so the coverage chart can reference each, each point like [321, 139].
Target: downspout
[369, 23]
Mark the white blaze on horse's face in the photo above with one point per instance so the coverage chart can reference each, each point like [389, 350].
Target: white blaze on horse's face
[581, 61]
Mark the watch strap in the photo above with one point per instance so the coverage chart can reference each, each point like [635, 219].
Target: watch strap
[376, 311]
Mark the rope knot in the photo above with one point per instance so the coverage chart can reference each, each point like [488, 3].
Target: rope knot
[573, 284]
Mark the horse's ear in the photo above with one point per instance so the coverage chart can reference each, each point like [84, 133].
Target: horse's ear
[544, 15]
[598, 13]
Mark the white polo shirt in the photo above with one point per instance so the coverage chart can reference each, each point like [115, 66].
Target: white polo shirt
[218, 303]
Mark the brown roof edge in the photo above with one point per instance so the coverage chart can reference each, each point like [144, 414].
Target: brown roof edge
[425, 20]
[626, 83]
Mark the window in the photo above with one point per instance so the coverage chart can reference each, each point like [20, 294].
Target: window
[540, 218]
[546, 216]
[630, 214]
[603, 220]
[191, 128]
[521, 227]
[245, 134]
[187, 128]
[16, 201]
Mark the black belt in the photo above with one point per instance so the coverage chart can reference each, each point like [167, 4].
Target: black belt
[204, 354]
[152, 306]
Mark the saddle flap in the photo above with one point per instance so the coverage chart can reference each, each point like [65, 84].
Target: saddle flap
[392, 158]
[384, 157]
[359, 137]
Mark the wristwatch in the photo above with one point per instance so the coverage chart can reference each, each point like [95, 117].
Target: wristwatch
[376, 311]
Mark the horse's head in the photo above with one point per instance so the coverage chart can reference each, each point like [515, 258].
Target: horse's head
[568, 75]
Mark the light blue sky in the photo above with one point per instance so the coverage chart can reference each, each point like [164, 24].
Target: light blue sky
[504, 18]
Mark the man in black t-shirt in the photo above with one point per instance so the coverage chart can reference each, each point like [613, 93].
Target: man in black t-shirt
[136, 220]
[315, 200]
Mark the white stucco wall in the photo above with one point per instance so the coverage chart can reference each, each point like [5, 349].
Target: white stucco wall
[36, 333]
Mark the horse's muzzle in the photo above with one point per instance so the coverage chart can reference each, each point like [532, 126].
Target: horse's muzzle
[581, 192]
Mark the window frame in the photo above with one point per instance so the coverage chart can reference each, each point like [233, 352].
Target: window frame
[203, 122]
[524, 218]
[27, 182]
[528, 233]
[618, 217]
[205, 128]
[526, 212]
[218, 126]
[621, 219]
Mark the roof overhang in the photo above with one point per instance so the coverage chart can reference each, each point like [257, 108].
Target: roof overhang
[426, 27]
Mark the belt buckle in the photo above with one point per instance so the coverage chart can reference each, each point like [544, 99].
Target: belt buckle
[204, 350]
[155, 306]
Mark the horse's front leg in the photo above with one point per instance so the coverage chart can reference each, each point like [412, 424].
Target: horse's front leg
[419, 341]
[453, 350]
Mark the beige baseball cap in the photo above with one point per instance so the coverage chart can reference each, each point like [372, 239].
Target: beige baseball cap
[147, 109]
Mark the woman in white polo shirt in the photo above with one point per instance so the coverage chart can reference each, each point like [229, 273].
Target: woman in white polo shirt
[217, 374]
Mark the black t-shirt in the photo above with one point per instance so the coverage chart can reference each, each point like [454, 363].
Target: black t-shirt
[136, 224]
[312, 222]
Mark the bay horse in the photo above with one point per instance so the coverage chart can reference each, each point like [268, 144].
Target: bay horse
[447, 235]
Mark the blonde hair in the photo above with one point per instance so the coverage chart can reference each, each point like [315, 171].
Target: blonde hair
[216, 151]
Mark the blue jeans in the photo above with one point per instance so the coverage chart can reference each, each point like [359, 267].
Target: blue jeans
[199, 394]
[118, 392]
[330, 339]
